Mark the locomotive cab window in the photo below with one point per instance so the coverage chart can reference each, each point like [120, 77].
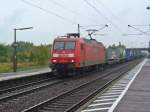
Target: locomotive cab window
[70, 45]
[59, 45]
[64, 45]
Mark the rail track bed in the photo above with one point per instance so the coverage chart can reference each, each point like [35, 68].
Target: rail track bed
[66, 95]
[24, 81]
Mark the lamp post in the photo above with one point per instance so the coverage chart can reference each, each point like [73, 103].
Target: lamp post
[148, 8]
[15, 45]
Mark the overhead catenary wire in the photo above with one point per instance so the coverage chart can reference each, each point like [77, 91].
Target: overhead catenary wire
[48, 11]
[94, 31]
[85, 27]
[139, 30]
[142, 25]
[62, 6]
[101, 14]
[89, 26]
[99, 29]
[126, 34]
[134, 34]
[108, 9]
[68, 9]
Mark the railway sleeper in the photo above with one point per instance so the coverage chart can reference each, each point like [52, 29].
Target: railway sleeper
[49, 110]
[73, 98]
[64, 102]
[53, 109]
[43, 111]
[59, 105]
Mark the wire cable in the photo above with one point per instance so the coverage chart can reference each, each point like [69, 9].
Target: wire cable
[139, 30]
[113, 15]
[62, 6]
[100, 13]
[48, 11]
[68, 9]
[94, 31]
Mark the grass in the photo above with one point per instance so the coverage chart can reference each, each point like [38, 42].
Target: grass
[5, 67]
[8, 67]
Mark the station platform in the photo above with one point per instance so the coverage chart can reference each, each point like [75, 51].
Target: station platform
[14, 75]
[137, 99]
[129, 94]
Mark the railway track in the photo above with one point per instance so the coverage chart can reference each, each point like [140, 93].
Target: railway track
[17, 87]
[17, 91]
[14, 83]
[73, 99]
[28, 97]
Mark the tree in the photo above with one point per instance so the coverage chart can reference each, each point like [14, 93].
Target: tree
[3, 53]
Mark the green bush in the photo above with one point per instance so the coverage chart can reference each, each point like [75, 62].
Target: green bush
[28, 55]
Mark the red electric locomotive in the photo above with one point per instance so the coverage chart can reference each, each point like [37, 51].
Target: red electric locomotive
[76, 54]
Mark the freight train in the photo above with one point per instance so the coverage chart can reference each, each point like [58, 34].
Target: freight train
[116, 54]
[73, 54]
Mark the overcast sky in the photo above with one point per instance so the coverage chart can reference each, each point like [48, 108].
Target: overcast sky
[58, 17]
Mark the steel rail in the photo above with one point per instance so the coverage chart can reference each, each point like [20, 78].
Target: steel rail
[3, 91]
[77, 90]
[30, 90]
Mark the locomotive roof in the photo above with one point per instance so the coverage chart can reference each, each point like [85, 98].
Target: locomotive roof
[92, 41]
[79, 39]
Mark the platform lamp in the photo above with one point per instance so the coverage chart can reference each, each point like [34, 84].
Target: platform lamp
[148, 8]
[149, 25]
[15, 45]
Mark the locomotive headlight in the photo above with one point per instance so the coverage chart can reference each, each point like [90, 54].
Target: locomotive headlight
[55, 55]
[71, 55]
[54, 61]
[72, 60]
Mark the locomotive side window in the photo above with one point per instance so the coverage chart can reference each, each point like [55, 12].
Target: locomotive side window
[59, 45]
[69, 45]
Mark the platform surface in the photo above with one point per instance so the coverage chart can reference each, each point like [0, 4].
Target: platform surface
[131, 93]
[137, 98]
[8, 76]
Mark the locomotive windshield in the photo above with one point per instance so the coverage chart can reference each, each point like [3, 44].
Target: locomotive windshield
[64, 45]
[59, 45]
[69, 45]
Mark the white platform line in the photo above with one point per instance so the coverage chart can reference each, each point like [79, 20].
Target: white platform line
[96, 109]
[119, 85]
[114, 90]
[108, 96]
[117, 93]
[126, 89]
[122, 84]
[105, 100]
[99, 104]
[125, 83]
[125, 79]
[117, 89]
[107, 92]
[122, 81]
